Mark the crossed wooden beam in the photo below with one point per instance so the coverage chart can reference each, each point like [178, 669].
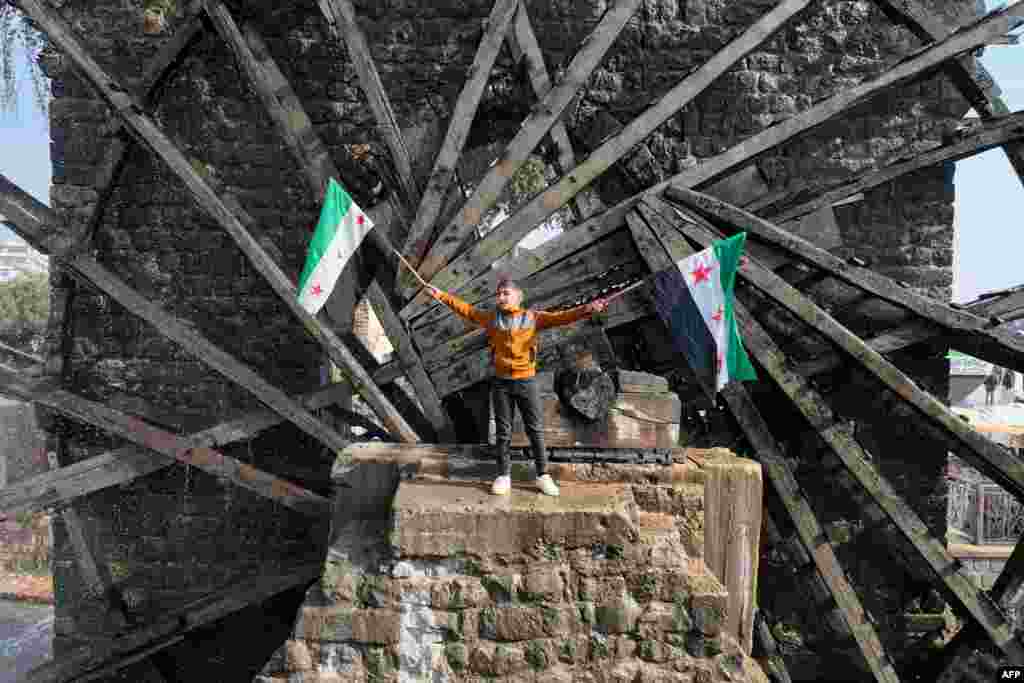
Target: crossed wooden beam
[435, 250]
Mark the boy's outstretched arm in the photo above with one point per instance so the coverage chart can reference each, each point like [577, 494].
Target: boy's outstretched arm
[464, 310]
[546, 319]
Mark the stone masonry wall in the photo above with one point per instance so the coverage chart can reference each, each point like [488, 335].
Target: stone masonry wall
[179, 532]
[427, 578]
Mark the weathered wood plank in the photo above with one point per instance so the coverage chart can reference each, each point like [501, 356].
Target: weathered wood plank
[422, 229]
[179, 331]
[478, 259]
[165, 443]
[955, 586]
[987, 456]
[522, 41]
[538, 123]
[154, 138]
[963, 72]
[912, 67]
[105, 657]
[295, 127]
[891, 340]
[131, 462]
[989, 135]
[810, 532]
[341, 20]
[1008, 349]
[1004, 591]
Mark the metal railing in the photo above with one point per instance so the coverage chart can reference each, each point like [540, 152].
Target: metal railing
[980, 511]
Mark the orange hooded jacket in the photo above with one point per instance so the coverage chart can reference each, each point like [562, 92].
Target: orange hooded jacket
[512, 335]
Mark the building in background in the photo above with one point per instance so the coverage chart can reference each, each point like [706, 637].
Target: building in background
[16, 256]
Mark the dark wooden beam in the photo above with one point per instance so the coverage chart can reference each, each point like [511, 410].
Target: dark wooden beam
[295, 127]
[125, 464]
[990, 458]
[956, 587]
[341, 20]
[478, 259]
[522, 41]
[149, 134]
[181, 332]
[164, 443]
[106, 657]
[993, 133]
[891, 340]
[422, 230]
[929, 27]
[661, 249]
[1007, 349]
[545, 115]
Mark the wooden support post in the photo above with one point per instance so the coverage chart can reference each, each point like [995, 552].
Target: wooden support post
[125, 464]
[311, 154]
[154, 138]
[420, 234]
[165, 443]
[341, 20]
[733, 492]
[812, 536]
[993, 133]
[545, 115]
[478, 259]
[104, 658]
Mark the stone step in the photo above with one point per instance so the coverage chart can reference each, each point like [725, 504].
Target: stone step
[443, 517]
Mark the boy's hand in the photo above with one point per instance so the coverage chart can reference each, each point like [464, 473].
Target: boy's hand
[597, 305]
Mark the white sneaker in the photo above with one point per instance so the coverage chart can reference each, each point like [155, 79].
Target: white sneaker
[547, 485]
[502, 485]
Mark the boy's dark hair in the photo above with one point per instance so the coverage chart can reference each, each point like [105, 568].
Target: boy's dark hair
[508, 283]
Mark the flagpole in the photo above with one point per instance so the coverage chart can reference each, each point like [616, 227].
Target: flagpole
[619, 293]
[413, 270]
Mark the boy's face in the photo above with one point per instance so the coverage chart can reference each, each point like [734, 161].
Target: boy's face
[509, 298]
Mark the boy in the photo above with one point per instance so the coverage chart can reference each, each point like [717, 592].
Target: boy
[512, 335]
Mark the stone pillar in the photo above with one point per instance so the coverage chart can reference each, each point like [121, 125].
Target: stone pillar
[733, 492]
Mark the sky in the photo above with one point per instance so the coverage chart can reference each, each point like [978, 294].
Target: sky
[989, 233]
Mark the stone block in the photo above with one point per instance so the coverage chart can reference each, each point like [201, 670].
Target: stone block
[376, 626]
[518, 623]
[618, 617]
[545, 584]
[297, 656]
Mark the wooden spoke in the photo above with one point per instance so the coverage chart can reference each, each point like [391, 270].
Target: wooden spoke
[187, 336]
[125, 464]
[1006, 349]
[153, 137]
[341, 20]
[522, 41]
[814, 408]
[294, 125]
[660, 255]
[478, 259]
[992, 134]
[548, 112]
[165, 443]
[929, 27]
[105, 657]
[984, 454]
[420, 233]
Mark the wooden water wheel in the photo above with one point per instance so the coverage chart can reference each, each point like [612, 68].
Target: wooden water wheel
[805, 314]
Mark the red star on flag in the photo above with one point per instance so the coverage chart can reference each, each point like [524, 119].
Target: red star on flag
[360, 219]
[317, 291]
[717, 317]
[700, 274]
[718, 362]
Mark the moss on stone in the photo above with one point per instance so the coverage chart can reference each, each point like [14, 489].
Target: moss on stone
[614, 551]
[488, 623]
[457, 656]
[598, 647]
[551, 616]
[646, 650]
[646, 587]
[498, 587]
[379, 664]
[567, 651]
[586, 610]
[535, 655]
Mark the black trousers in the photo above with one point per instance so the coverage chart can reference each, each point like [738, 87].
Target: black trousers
[506, 395]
